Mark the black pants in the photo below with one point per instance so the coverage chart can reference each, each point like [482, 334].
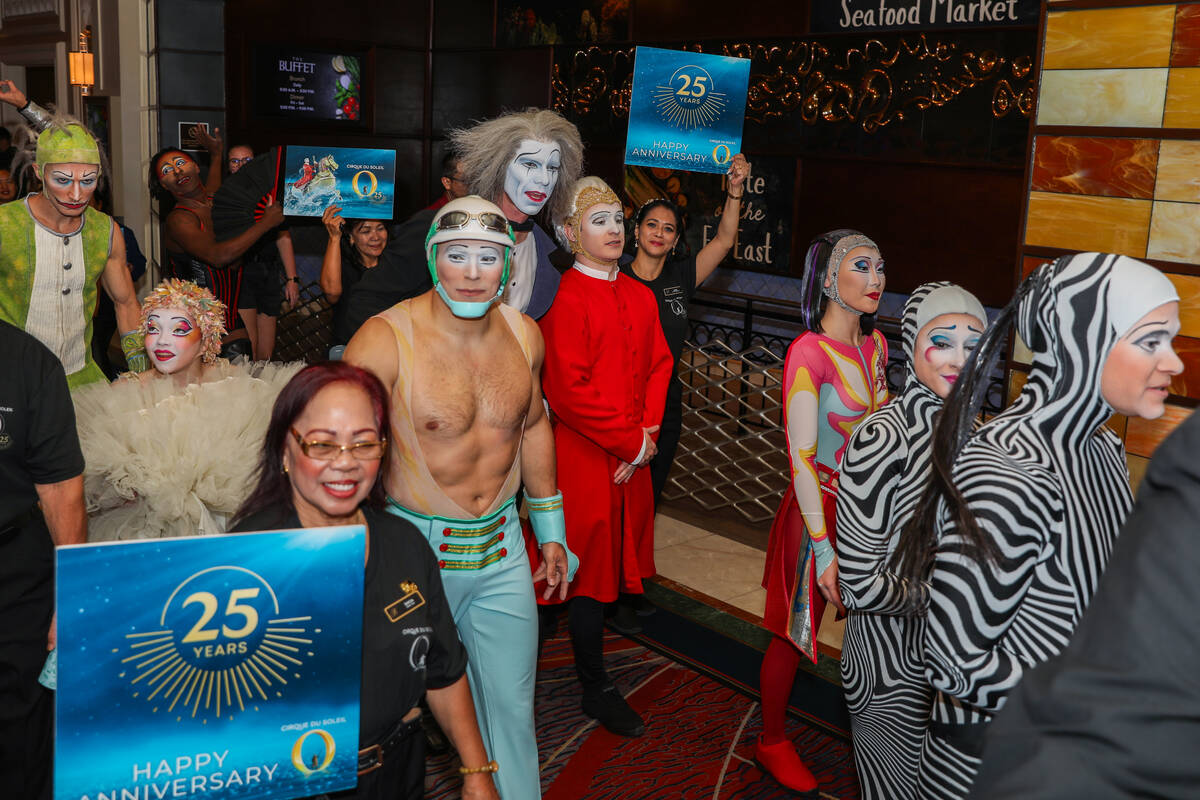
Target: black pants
[402, 776]
[26, 708]
[585, 618]
[668, 442]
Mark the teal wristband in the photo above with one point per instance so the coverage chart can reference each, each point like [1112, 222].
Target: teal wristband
[133, 345]
[550, 527]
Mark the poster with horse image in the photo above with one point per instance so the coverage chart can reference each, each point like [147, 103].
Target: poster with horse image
[362, 181]
[212, 667]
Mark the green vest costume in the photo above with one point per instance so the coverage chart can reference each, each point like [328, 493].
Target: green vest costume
[18, 263]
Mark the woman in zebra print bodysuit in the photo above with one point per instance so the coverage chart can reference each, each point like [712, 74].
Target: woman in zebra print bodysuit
[833, 378]
[1018, 522]
[884, 470]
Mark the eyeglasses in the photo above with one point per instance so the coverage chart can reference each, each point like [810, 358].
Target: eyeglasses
[328, 451]
[457, 220]
[241, 160]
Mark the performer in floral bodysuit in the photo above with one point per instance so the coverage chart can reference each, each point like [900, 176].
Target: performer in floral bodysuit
[833, 378]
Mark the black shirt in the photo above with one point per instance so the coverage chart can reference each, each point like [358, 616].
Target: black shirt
[673, 289]
[38, 442]
[402, 272]
[409, 640]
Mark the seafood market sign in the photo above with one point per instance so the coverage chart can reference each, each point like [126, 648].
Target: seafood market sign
[851, 16]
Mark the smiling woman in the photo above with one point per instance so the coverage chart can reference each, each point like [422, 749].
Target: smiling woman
[319, 465]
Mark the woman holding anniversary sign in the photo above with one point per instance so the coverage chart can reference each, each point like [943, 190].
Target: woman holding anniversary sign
[320, 466]
[658, 229]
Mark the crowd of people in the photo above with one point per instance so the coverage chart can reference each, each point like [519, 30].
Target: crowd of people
[503, 430]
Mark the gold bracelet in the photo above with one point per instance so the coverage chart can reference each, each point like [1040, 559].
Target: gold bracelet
[491, 766]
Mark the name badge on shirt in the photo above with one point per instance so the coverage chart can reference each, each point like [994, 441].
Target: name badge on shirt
[409, 602]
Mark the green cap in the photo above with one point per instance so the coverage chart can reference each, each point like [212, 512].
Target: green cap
[68, 145]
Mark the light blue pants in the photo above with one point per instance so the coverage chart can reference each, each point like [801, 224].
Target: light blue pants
[485, 572]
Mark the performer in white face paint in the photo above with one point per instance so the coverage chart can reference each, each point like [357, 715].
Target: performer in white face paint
[524, 162]
[1020, 518]
[884, 470]
[468, 427]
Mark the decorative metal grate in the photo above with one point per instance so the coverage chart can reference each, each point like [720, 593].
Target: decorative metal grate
[305, 331]
[732, 450]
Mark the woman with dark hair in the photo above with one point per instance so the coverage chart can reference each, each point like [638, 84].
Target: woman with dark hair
[319, 466]
[192, 251]
[355, 246]
[657, 231]
[1019, 519]
[833, 379]
[883, 472]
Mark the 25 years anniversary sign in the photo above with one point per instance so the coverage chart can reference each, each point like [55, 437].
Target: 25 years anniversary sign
[210, 667]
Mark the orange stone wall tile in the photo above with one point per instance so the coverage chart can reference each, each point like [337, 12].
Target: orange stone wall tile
[1188, 287]
[1182, 109]
[1178, 171]
[1078, 222]
[1097, 166]
[1137, 470]
[1145, 435]
[1185, 48]
[1187, 383]
[1175, 232]
[1139, 36]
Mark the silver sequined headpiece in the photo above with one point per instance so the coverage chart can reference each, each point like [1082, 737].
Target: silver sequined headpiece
[843, 246]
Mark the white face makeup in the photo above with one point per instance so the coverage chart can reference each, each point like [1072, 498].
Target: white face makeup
[532, 175]
[602, 233]
[1137, 373]
[69, 187]
[942, 348]
[470, 271]
[861, 279]
[173, 340]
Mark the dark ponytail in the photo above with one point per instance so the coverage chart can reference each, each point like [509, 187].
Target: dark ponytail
[913, 557]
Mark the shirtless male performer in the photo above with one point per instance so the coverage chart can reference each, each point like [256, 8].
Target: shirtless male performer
[467, 427]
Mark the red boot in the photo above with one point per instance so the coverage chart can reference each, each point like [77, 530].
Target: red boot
[782, 763]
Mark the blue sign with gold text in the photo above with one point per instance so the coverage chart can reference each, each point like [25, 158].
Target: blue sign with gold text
[209, 667]
[686, 110]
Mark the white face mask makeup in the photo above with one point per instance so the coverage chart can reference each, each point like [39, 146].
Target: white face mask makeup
[532, 175]
[943, 346]
[173, 340]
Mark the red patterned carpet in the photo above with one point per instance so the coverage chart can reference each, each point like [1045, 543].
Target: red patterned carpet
[699, 739]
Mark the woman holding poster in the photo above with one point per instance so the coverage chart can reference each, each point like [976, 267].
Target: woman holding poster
[833, 378]
[319, 466]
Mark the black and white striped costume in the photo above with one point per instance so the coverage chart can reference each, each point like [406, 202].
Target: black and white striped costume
[883, 472]
[1049, 483]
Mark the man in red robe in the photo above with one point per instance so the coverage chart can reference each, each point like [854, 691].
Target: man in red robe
[605, 377]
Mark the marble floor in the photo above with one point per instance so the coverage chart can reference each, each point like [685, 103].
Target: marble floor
[722, 569]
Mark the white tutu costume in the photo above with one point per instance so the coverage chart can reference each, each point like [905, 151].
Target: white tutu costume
[163, 461]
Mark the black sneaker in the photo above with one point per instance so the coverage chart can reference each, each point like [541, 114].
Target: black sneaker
[642, 606]
[625, 620]
[609, 708]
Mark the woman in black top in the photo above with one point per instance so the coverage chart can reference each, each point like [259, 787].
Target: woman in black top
[658, 227]
[319, 467]
[355, 246]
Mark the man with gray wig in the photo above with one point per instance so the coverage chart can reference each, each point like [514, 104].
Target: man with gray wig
[523, 161]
